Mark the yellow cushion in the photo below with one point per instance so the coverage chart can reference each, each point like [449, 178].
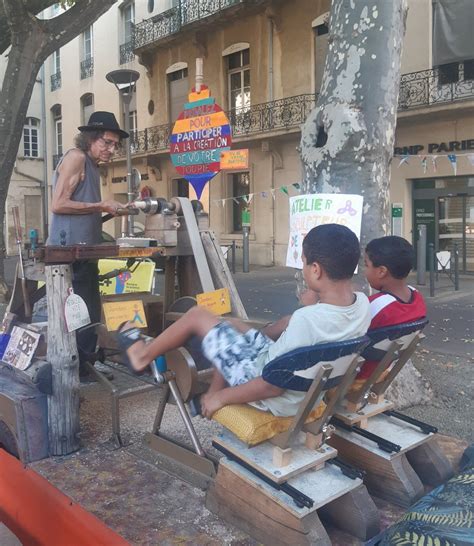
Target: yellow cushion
[253, 426]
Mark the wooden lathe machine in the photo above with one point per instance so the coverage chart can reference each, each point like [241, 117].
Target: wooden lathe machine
[275, 488]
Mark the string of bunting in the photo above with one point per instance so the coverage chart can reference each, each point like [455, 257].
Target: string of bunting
[425, 160]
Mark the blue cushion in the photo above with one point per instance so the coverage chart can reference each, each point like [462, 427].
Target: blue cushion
[390, 333]
[296, 370]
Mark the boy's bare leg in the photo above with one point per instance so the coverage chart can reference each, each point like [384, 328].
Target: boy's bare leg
[217, 383]
[196, 321]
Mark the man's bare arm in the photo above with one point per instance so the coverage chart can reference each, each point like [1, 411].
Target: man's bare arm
[71, 174]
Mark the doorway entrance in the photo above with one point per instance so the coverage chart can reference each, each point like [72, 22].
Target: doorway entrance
[446, 207]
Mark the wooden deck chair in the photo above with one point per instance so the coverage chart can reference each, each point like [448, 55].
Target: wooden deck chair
[391, 347]
[278, 485]
[397, 452]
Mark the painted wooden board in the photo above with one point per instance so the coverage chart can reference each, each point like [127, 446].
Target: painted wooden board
[370, 410]
[261, 456]
[405, 435]
[323, 486]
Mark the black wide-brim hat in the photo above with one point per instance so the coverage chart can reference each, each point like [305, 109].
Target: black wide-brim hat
[103, 121]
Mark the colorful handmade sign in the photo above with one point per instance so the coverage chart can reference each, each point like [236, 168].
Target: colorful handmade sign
[218, 301]
[201, 132]
[126, 282]
[118, 312]
[308, 211]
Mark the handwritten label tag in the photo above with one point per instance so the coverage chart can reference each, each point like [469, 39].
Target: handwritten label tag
[218, 301]
[75, 312]
[116, 312]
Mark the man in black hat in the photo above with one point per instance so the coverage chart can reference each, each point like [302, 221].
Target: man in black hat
[77, 208]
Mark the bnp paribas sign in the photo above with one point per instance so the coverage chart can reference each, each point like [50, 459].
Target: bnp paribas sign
[436, 147]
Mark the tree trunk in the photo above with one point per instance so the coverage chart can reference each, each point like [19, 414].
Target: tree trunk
[63, 405]
[347, 141]
[32, 41]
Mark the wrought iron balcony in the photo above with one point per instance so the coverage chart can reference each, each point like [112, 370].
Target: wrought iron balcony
[271, 116]
[126, 52]
[87, 68]
[171, 21]
[282, 114]
[152, 139]
[448, 83]
[56, 159]
[56, 81]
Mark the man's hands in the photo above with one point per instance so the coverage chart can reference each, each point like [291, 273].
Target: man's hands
[111, 206]
[210, 403]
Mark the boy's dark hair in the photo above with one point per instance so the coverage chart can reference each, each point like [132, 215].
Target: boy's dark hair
[395, 253]
[335, 248]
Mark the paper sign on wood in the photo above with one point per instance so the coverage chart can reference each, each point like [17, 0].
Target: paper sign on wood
[75, 312]
[21, 347]
[218, 301]
[117, 312]
[235, 159]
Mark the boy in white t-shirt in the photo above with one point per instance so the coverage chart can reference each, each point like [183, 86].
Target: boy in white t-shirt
[239, 353]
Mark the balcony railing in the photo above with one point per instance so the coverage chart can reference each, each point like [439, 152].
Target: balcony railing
[126, 52]
[436, 86]
[171, 21]
[271, 116]
[87, 68]
[56, 81]
[281, 114]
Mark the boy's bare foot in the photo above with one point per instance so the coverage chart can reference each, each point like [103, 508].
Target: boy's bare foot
[135, 349]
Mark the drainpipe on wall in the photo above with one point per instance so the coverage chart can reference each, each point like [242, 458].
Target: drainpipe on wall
[270, 98]
[44, 184]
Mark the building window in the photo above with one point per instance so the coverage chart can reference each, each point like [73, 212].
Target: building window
[238, 70]
[56, 70]
[56, 112]
[448, 73]
[128, 18]
[151, 6]
[126, 48]
[178, 89]
[321, 35]
[87, 107]
[31, 138]
[87, 63]
[469, 69]
[240, 185]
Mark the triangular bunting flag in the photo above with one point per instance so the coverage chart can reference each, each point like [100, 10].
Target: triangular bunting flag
[284, 189]
[470, 158]
[433, 162]
[424, 163]
[296, 186]
[454, 162]
[404, 159]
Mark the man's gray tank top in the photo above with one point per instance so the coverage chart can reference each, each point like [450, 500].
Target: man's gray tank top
[71, 229]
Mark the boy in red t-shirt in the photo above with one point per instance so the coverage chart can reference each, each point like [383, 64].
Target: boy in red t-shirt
[388, 261]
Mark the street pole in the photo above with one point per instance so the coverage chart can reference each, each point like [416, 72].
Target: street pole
[421, 256]
[126, 99]
[125, 82]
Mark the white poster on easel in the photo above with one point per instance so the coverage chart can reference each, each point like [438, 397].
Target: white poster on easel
[309, 211]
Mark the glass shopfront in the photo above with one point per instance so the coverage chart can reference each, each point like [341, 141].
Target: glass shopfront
[446, 207]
